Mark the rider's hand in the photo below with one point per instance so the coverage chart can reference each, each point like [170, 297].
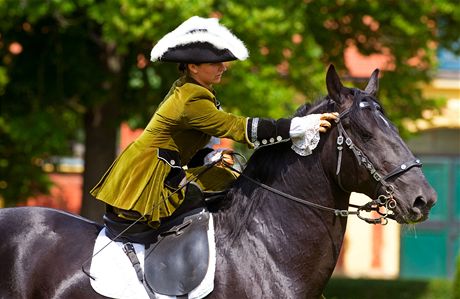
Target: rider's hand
[324, 123]
[220, 157]
[227, 158]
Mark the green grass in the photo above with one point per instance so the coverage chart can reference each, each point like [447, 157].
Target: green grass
[388, 289]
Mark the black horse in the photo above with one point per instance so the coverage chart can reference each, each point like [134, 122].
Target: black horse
[280, 235]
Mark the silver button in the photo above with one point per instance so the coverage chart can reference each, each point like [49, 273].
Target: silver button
[172, 162]
[264, 141]
[272, 140]
[256, 144]
[279, 138]
[403, 166]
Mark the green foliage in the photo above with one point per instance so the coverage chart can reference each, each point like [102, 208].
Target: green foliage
[3, 79]
[64, 60]
[456, 281]
[25, 143]
[382, 289]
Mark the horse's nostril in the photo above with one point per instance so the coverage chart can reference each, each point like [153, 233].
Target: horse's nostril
[420, 202]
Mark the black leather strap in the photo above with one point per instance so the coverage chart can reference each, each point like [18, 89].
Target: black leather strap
[129, 250]
[403, 168]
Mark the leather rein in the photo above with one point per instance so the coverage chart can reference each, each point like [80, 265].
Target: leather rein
[385, 201]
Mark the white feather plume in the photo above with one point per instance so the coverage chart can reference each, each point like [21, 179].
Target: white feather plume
[197, 29]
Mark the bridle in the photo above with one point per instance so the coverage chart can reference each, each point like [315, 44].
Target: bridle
[385, 201]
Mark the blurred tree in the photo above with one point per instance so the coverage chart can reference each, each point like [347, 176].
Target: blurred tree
[82, 65]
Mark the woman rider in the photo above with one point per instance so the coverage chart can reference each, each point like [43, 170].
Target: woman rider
[148, 179]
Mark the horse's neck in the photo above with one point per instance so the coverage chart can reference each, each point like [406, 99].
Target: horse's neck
[278, 235]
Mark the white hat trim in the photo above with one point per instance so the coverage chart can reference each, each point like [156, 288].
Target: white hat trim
[189, 32]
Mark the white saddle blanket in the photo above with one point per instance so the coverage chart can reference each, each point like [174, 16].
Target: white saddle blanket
[115, 277]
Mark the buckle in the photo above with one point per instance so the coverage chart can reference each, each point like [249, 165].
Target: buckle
[340, 140]
[341, 213]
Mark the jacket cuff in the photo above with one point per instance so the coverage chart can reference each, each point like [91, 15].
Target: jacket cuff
[264, 131]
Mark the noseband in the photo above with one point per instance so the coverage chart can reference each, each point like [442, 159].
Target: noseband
[385, 200]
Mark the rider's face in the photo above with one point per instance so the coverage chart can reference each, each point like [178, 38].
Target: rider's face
[207, 74]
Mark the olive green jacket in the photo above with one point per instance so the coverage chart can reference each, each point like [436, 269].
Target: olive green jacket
[183, 123]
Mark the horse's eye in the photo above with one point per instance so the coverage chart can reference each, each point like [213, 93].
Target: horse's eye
[366, 137]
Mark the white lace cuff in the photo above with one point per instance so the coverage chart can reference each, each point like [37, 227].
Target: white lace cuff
[304, 132]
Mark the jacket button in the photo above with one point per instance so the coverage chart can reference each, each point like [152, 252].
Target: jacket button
[272, 140]
[279, 138]
[256, 143]
[172, 162]
[264, 141]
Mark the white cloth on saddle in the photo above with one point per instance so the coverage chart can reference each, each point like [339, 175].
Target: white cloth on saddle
[304, 132]
[115, 276]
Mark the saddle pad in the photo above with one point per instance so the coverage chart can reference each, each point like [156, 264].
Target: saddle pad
[115, 277]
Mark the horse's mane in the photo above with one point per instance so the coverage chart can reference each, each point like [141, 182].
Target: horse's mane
[263, 166]
[265, 162]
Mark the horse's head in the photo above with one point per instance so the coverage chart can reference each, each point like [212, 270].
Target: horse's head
[371, 156]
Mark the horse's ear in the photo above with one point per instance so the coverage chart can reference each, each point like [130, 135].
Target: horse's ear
[334, 85]
[373, 84]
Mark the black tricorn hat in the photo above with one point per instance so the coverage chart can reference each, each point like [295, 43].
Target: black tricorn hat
[199, 40]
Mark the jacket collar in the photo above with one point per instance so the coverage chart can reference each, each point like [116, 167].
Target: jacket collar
[188, 79]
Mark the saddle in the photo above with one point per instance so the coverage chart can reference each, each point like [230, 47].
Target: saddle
[178, 261]
[177, 253]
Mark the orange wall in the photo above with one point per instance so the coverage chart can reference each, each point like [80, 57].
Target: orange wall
[65, 195]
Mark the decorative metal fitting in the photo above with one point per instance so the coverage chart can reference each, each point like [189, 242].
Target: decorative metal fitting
[340, 140]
